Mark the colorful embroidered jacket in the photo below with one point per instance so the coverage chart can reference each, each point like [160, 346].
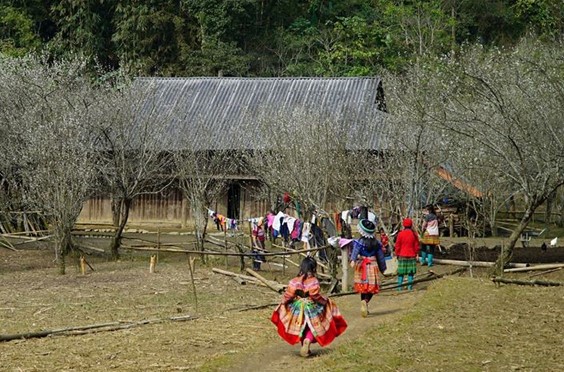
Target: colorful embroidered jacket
[370, 249]
[302, 305]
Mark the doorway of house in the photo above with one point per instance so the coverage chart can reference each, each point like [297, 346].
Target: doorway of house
[233, 201]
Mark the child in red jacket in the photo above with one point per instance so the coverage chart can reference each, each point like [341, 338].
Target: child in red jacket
[407, 248]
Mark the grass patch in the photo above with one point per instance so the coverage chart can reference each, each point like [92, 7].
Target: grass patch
[464, 324]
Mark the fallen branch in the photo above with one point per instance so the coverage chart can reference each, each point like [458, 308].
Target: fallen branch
[84, 246]
[250, 279]
[8, 245]
[31, 240]
[276, 287]
[112, 326]
[545, 272]
[525, 282]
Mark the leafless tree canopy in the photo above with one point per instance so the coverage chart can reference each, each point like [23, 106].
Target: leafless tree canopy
[132, 158]
[304, 153]
[202, 175]
[497, 116]
[48, 108]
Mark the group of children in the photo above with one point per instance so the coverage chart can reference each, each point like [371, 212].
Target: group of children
[306, 316]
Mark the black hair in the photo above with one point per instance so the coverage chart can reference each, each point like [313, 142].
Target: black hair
[308, 266]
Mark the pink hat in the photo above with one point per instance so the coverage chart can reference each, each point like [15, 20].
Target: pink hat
[343, 242]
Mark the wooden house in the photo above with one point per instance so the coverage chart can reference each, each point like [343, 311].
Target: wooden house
[222, 105]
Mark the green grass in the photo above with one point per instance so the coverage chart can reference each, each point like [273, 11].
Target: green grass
[464, 324]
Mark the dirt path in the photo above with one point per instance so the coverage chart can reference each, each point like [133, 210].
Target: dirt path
[384, 308]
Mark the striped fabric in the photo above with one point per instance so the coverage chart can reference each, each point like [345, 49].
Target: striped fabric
[430, 239]
[291, 318]
[407, 266]
[366, 277]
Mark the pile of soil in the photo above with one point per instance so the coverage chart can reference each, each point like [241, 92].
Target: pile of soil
[521, 255]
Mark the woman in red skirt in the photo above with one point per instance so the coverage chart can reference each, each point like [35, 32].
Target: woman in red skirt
[368, 261]
[304, 315]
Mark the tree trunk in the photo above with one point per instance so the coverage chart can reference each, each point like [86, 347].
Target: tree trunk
[507, 251]
[560, 220]
[549, 205]
[64, 246]
[200, 214]
[122, 213]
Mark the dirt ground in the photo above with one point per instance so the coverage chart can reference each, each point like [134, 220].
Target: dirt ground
[219, 337]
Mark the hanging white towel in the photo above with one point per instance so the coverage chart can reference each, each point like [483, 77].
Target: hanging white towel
[276, 223]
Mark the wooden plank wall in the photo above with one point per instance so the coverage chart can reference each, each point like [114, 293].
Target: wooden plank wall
[170, 209]
[151, 208]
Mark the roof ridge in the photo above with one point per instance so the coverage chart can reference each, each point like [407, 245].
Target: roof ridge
[257, 78]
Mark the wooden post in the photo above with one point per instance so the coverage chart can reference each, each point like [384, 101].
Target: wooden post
[158, 243]
[345, 267]
[183, 212]
[283, 263]
[251, 233]
[192, 267]
[451, 225]
[152, 264]
[82, 265]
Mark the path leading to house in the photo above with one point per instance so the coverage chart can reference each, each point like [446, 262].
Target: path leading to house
[384, 308]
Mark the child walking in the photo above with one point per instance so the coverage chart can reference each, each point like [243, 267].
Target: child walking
[304, 314]
[430, 236]
[407, 247]
[368, 260]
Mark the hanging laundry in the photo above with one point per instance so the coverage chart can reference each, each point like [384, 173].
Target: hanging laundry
[277, 221]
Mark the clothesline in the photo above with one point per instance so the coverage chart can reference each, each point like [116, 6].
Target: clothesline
[295, 229]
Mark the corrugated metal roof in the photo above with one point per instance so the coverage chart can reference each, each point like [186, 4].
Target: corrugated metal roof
[214, 113]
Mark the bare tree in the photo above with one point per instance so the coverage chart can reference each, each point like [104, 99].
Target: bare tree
[416, 149]
[203, 176]
[132, 156]
[48, 107]
[303, 152]
[504, 108]
[203, 165]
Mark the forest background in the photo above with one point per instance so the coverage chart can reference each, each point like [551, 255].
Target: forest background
[257, 38]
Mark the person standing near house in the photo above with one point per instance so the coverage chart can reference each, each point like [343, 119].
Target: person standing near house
[407, 247]
[304, 314]
[430, 237]
[368, 261]
[219, 221]
[386, 248]
[259, 246]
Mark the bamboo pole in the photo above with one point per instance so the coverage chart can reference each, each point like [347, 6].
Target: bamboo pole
[251, 279]
[526, 282]
[305, 250]
[534, 268]
[213, 253]
[345, 268]
[111, 326]
[425, 279]
[475, 263]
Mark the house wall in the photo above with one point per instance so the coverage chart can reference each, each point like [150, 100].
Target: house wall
[171, 209]
[150, 208]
